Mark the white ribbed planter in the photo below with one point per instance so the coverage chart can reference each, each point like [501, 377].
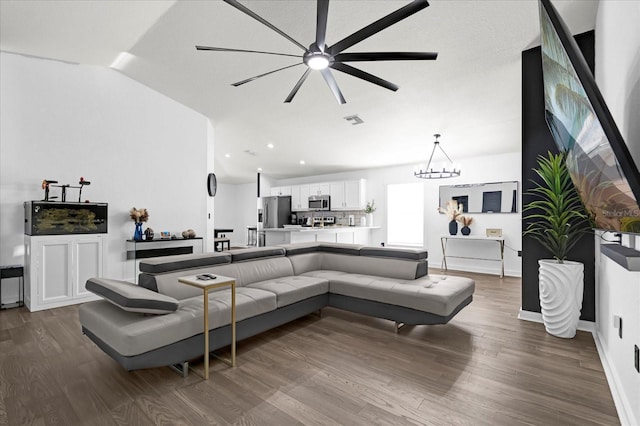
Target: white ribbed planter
[561, 291]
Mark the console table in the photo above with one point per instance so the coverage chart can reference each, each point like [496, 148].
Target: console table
[144, 249]
[500, 240]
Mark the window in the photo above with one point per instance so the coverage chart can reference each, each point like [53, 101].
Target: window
[405, 214]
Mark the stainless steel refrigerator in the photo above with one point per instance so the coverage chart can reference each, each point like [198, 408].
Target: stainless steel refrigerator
[276, 212]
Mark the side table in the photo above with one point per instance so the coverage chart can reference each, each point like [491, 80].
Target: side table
[206, 285]
[13, 271]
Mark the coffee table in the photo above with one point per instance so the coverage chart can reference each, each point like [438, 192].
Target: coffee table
[206, 285]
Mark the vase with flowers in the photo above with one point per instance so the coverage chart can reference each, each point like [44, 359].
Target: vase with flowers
[368, 210]
[139, 216]
[452, 211]
[465, 221]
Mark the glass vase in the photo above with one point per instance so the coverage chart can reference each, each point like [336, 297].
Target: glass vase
[137, 234]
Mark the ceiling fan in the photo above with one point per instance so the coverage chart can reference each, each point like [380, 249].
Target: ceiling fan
[319, 56]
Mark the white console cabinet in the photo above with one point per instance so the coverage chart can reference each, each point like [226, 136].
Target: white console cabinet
[57, 268]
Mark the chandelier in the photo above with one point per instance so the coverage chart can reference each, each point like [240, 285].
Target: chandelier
[447, 170]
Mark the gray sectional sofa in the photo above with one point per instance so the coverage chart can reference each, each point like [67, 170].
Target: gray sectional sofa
[159, 322]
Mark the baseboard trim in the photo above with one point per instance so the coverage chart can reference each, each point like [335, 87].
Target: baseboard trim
[537, 317]
[623, 406]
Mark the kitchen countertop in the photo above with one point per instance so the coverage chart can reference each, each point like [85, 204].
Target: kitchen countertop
[333, 228]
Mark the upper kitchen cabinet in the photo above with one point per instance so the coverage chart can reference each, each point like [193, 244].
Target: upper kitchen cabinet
[348, 195]
[280, 190]
[300, 197]
[320, 189]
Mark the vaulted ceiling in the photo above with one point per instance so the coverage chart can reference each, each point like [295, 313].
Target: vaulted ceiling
[470, 94]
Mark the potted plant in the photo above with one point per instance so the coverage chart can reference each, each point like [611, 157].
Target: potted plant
[368, 210]
[558, 220]
[453, 211]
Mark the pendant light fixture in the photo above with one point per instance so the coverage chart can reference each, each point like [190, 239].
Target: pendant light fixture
[447, 170]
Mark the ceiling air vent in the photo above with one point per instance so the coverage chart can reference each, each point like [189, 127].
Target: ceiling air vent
[354, 119]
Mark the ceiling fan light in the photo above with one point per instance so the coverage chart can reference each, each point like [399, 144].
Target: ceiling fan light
[318, 62]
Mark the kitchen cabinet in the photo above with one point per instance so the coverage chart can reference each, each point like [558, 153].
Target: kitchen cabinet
[320, 189]
[331, 234]
[337, 195]
[280, 190]
[348, 195]
[57, 268]
[299, 198]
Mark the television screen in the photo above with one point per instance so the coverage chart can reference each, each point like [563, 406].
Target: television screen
[601, 167]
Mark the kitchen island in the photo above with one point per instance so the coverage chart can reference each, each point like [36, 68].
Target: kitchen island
[327, 234]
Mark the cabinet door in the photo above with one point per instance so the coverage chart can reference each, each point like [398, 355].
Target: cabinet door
[362, 236]
[354, 195]
[320, 189]
[274, 191]
[326, 237]
[87, 264]
[53, 268]
[345, 237]
[337, 195]
[325, 189]
[285, 190]
[295, 198]
[304, 197]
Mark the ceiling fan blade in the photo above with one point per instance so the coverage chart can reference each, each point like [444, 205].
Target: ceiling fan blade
[379, 25]
[297, 86]
[385, 56]
[333, 85]
[321, 23]
[363, 75]
[262, 75]
[224, 49]
[263, 21]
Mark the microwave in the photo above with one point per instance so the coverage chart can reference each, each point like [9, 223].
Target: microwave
[320, 202]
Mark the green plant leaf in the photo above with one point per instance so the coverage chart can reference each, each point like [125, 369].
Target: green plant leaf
[557, 216]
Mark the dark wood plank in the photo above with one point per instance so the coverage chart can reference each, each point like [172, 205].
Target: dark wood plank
[485, 367]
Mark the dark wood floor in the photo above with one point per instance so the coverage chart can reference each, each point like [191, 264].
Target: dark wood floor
[485, 367]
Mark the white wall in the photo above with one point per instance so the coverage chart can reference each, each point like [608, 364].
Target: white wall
[617, 290]
[504, 167]
[236, 209]
[137, 147]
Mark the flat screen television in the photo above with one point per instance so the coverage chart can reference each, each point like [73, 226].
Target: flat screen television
[601, 166]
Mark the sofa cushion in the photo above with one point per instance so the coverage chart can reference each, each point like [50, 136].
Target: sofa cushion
[159, 265]
[131, 297]
[244, 273]
[438, 296]
[130, 334]
[256, 253]
[379, 266]
[293, 289]
[167, 283]
[394, 253]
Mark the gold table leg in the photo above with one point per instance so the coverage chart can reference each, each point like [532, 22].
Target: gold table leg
[206, 334]
[233, 324]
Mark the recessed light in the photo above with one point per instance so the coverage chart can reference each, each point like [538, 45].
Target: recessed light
[228, 155]
[259, 169]
[301, 161]
[270, 145]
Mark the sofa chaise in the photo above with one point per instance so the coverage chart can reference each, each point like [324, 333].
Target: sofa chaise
[159, 322]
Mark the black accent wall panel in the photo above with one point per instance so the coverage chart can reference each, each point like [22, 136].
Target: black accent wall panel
[536, 140]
